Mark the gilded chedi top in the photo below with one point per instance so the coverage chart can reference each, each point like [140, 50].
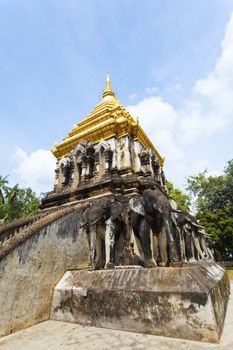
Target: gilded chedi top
[108, 119]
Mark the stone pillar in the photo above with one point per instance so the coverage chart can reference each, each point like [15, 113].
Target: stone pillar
[55, 188]
[101, 161]
[155, 166]
[163, 180]
[75, 175]
[71, 173]
[84, 168]
[90, 161]
[60, 177]
[97, 163]
[79, 172]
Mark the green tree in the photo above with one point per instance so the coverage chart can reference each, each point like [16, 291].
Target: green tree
[212, 192]
[16, 202]
[3, 188]
[182, 199]
[3, 191]
[213, 202]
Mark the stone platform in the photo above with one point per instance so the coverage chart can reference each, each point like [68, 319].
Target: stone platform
[186, 302]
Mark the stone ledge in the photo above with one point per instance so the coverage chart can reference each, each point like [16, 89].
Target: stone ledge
[186, 302]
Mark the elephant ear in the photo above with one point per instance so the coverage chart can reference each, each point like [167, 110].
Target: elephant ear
[137, 204]
[95, 214]
[83, 217]
[116, 209]
[99, 211]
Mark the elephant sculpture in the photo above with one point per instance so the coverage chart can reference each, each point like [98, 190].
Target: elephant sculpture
[103, 224]
[193, 238]
[151, 212]
[198, 244]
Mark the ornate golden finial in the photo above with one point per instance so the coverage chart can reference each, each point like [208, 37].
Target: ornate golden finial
[108, 89]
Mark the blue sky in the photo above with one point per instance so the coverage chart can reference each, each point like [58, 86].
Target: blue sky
[170, 62]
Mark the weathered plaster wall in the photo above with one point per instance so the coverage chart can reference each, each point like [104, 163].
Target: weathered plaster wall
[137, 149]
[124, 156]
[29, 273]
[188, 302]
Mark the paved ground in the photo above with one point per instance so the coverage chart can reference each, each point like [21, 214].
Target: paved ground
[52, 335]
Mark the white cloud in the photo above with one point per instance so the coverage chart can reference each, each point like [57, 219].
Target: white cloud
[167, 143]
[202, 117]
[158, 119]
[152, 90]
[35, 170]
[132, 96]
[155, 113]
[211, 109]
[175, 88]
[218, 86]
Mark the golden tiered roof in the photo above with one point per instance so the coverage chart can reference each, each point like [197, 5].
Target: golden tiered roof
[108, 119]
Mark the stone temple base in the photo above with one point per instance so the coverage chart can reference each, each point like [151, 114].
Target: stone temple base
[183, 302]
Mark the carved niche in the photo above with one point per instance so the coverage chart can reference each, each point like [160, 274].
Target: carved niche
[103, 158]
[145, 161]
[80, 162]
[62, 173]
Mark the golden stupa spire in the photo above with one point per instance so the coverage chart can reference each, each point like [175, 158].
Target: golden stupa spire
[108, 119]
[108, 89]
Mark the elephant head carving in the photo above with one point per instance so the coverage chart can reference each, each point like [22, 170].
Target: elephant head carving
[152, 212]
[99, 211]
[103, 223]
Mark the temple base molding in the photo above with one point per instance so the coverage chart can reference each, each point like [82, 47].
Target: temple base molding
[183, 302]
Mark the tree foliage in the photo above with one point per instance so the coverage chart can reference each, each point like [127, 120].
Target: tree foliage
[213, 200]
[181, 198]
[16, 202]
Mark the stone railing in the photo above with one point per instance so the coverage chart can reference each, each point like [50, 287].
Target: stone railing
[7, 230]
[20, 230]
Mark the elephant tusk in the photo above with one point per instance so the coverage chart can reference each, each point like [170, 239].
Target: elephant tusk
[177, 211]
[95, 222]
[196, 225]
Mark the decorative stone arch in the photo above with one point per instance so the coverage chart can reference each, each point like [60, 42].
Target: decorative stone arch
[63, 173]
[78, 152]
[79, 158]
[65, 161]
[103, 144]
[103, 157]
